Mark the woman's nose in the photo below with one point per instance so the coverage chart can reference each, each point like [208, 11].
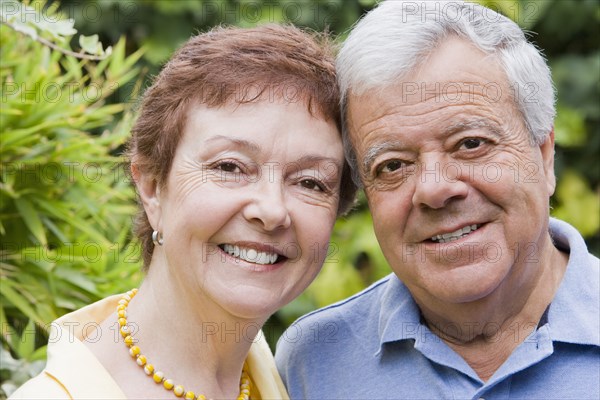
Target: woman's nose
[267, 207]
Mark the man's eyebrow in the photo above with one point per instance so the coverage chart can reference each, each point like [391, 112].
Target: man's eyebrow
[472, 124]
[374, 151]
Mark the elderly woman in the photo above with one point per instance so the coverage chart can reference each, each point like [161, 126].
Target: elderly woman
[238, 162]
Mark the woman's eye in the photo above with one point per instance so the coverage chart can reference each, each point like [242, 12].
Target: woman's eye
[471, 143]
[228, 167]
[311, 184]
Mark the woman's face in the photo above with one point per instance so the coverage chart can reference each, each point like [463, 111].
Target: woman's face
[249, 205]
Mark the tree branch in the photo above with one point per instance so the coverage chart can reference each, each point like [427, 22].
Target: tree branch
[53, 46]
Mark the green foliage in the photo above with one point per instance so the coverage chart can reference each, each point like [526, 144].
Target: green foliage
[163, 25]
[27, 20]
[577, 203]
[65, 205]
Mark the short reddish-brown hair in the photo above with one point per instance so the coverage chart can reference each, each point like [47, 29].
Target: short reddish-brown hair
[232, 65]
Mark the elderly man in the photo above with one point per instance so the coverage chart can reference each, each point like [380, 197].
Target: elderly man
[449, 115]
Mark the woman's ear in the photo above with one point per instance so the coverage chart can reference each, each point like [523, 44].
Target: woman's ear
[149, 192]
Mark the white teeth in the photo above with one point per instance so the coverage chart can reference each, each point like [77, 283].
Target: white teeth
[250, 255]
[457, 234]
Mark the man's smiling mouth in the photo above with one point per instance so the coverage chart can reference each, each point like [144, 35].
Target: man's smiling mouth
[457, 234]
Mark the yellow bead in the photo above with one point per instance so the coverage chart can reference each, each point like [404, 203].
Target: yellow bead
[121, 307]
[134, 351]
[141, 360]
[168, 384]
[178, 390]
[122, 313]
[149, 369]
[158, 376]
[125, 331]
[201, 397]
[190, 395]
[128, 340]
[245, 392]
[122, 322]
[134, 291]
[123, 302]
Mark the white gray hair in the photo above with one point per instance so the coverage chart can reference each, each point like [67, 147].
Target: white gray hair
[396, 36]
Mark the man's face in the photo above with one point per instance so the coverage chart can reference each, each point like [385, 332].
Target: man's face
[459, 195]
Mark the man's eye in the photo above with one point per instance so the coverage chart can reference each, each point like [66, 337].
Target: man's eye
[390, 166]
[228, 167]
[471, 143]
[311, 184]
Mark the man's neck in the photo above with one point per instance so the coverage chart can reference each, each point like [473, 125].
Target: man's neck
[486, 332]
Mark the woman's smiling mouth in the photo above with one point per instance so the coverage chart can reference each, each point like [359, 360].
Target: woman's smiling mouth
[251, 255]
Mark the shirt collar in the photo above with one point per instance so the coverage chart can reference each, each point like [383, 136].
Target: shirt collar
[71, 363]
[399, 316]
[574, 314]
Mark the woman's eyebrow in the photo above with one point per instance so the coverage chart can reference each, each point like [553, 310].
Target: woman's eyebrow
[242, 143]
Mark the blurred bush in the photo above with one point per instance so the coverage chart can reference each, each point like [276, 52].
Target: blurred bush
[65, 205]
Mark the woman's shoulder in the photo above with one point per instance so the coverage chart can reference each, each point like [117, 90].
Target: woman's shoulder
[40, 387]
[263, 371]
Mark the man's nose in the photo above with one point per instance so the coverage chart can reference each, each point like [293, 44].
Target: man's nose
[437, 185]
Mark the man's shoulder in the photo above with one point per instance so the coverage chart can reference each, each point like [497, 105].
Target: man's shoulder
[363, 302]
[322, 338]
[345, 323]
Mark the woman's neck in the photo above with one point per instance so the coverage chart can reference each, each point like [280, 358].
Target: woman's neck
[186, 336]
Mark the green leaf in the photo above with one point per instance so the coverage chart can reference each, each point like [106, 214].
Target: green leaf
[8, 332]
[12, 295]
[32, 220]
[27, 343]
[76, 278]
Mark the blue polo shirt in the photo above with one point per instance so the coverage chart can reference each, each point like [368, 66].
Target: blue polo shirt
[374, 346]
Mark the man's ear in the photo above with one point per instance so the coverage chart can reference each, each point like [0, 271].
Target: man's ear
[547, 150]
[149, 192]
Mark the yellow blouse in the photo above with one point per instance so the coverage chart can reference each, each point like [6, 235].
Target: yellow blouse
[73, 372]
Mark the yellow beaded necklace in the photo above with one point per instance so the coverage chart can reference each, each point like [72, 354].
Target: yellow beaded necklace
[149, 369]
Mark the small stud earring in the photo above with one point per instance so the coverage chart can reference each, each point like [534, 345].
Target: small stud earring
[157, 238]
